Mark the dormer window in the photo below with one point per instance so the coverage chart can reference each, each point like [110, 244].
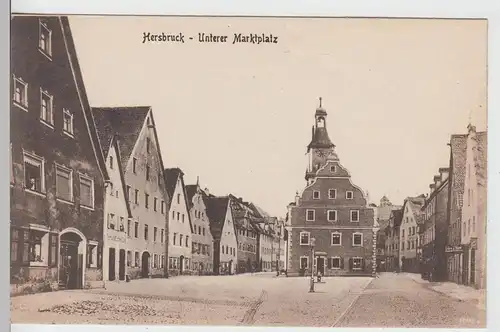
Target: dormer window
[333, 169]
[45, 39]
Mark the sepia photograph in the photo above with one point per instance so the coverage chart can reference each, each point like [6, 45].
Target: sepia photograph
[248, 171]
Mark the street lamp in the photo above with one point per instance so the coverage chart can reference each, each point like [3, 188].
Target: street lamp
[311, 281]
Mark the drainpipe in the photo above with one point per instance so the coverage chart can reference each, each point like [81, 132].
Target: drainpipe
[105, 252]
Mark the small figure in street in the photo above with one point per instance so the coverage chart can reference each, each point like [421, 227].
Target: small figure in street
[319, 276]
[68, 269]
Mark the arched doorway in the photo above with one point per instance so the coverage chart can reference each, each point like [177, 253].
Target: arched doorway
[181, 264]
[145, 264]
[72, 255]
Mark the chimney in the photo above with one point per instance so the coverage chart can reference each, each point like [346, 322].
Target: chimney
[432, 186]
[206, 191]
[444, 172]
[437, 180]
[297, 198]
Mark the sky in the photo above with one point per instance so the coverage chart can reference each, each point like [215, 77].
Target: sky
[239, 116]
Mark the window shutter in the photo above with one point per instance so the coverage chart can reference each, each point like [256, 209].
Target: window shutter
[99, 256]
[350, 264]
[330, 262]
[342, 262]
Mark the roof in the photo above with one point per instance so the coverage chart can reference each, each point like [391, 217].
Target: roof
[458, 154]
[171, 177]
[191, 190]
[125, 122]
[320, 139]
[384, 212]
[398, 217]
[216, 213]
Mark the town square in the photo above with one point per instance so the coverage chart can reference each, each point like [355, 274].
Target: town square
[146, 193]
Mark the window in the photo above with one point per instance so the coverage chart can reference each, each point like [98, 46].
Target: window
[129, 226]
[162, 235]
[34, 172]
[20, 96]
[336, 239]
[128, 193]
[332, 193]
[86, 191]
[92, 255]
[136, 229]
[146, 232]
[349, 195]
[148, 143]
[136, 258]
[304, 238]
[354, 215]
[46, 110]
[357, 263]
[178, 198]
[134, 165]
[304, 262]
[357, 239]
[111, 188]
[64, 183]
[111, 221]
[162, 262]
[203, 231]
[178, 216]
[187, 241]
[333, 169]
[315, 194]
[155, 261]
[181, 237]
[174, 238]
[137, 196]
[155, 233]
[45, 39]
[335, 263]
[183, 217]
[155, 204]
[162, 207]
[147, 172]
[310, 215]
[111, 162]
[129, 258]
[68, 123]
[146, 200]
[332, 215]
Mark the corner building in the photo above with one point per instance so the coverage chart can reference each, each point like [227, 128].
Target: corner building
[334, 212]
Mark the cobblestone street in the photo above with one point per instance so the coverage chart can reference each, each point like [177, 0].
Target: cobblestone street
[261, 299]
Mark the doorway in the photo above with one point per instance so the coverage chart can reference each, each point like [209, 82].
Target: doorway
[181, 264]
[70, 262]
[320, 267]
[121, 265]
[145, 264]
[111, 264]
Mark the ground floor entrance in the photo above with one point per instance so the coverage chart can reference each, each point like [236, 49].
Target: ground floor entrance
[71, 261]
[145, 264]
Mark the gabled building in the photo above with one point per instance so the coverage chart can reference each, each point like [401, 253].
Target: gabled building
[224, 234]
[142, 165]
[202, 240]
[246, 234]
[180, 239]
[58, 172]
[118, 220]
[454, 252]
[392, 240]
[408, 234]
[384, 210]
[473, 238]
[265, 247]
[434, 229]
[334, 212]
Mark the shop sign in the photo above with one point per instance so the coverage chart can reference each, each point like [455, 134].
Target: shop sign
[450, 249]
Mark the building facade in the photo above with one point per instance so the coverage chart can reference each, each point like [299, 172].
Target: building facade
[454, 252]
[473, 237]
[180, 238]
[265, 247]
[384, 210]
[224, 234]
[392, 240]
[246, 235]
[434, 230]
[202, 241]
[58, 174]
[332, 211]
[142, 165]
[408, 234]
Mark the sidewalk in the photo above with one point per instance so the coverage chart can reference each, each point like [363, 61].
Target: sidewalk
[451, 289]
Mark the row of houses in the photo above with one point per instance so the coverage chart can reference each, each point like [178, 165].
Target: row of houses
[91, 199]
[442, 234]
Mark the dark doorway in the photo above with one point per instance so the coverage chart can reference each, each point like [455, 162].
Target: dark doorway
[230, 267]
[121, 265]
[145, 264]
[70, 262]
[181, 264]
[320, 265]
[472, 266]
[111, 264]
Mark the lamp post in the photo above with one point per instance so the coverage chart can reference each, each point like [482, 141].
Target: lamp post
[311, 281]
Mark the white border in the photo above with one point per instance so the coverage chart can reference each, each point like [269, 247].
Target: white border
[366, 8]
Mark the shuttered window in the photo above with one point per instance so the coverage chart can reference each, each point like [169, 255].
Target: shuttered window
[64, 183]
[86, 191]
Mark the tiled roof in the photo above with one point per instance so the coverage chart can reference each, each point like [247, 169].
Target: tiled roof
[320, 139]
[398, 217]
[216, 213]
[191, 190]
[458, 152]
[171, 177]
[124, 122]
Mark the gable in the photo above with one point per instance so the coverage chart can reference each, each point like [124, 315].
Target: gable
[117, 178]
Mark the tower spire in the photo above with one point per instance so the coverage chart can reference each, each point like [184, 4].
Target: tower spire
[320, 100]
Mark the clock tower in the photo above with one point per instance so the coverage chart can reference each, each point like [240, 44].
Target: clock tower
[321, 149]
